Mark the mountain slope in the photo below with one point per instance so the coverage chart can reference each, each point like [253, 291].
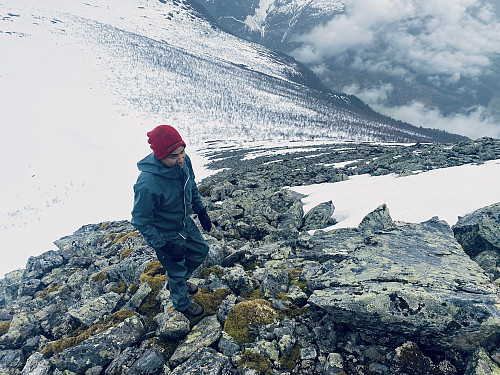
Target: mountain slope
[167, 60]
[441, 58]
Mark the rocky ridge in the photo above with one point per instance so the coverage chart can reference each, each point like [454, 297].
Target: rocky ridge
[281, 295]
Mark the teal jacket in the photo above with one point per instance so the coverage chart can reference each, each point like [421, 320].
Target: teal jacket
[164, 199]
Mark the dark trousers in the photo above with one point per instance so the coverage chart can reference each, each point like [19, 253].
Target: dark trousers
[179, 272]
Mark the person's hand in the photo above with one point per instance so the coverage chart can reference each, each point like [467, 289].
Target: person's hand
[175, 252]
[205, 221]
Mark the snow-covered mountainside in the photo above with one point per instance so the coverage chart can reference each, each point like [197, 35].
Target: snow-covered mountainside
[274, 23]
[437, 65]
[166, 59]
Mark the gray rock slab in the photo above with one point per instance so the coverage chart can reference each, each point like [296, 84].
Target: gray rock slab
[413, 281]
[204, 334]
[480, 230]
[206, 361]
[94, 310]
[101, 349]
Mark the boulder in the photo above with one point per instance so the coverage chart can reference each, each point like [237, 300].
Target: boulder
[319, 216]
[101, 349]
[206, 361]
[150, 363]
[414, 281]
[481, 364]
[480, 230]
[94, 310]
[379, 219]
[172, 325]
[203, 335]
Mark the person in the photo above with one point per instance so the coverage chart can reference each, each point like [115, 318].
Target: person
[165, 195]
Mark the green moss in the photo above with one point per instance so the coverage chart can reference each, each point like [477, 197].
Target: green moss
[295, 311]
[255, 361]
[166, 347]
[246, 315]
[293, 275]
[210, 300]
[205, 190]
[51, 288]
[58, 346]
[252, 295]
[281, 296]
[120, 237]
[99, 277]
[289, 361]
[252, 266]
[105, 225]
[72, 271]
[154, 275]
[122, 287]
[4, 327]
[125, 254]
[207, 271]
[301, 284]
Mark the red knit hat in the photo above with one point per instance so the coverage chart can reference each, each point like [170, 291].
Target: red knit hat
[163, 140]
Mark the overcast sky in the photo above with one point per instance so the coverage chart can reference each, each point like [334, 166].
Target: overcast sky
[444, 40]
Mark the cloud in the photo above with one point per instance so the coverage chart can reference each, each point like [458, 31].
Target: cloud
[408, 37]
[477, 122]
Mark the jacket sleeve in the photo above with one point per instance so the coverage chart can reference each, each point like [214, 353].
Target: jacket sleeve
[143, 217]
[196, 202]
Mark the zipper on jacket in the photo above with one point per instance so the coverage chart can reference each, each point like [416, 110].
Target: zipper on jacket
[184, 201]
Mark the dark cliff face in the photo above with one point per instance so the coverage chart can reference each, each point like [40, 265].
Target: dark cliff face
[280, 294]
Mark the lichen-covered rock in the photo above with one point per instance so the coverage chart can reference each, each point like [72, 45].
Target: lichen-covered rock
[275, 282]
[11, 361]
[319, 216]
[480, 230]
[206, 361]
[378, 219]
[43, 263]
[101, 349]
[413, 280]
[36, 365]
[204, 334]
[333, 245]
[150, 363]
[481, 364]
[172, 325]
[94, 310]
[237, 279]
[375, 286]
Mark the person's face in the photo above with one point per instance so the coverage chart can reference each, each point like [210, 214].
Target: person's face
[176, 157]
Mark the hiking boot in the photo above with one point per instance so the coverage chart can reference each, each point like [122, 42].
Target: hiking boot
[194, 309]
[192, 287]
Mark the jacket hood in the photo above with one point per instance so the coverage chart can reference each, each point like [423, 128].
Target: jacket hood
[152, 165]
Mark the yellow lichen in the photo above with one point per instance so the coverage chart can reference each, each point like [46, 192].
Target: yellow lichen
[58, 346]
[246, 315]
